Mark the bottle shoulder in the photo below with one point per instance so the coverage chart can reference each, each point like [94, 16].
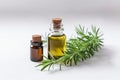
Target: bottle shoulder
[56, 35]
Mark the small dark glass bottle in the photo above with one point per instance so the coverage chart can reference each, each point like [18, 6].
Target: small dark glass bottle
[36, 49]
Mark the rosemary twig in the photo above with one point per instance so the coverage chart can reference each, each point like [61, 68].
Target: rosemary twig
[79, 49]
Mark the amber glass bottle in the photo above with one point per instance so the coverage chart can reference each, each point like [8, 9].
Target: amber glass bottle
[56, 39]
[36, 50]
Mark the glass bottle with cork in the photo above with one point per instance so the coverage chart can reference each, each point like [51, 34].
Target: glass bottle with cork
[36, 49]
[56, 39]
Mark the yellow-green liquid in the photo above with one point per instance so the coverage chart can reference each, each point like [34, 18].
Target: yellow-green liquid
[57, 45]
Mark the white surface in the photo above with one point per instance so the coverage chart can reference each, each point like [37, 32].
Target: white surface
[17, 26]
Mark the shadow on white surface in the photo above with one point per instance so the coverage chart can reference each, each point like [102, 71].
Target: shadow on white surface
[103, 58]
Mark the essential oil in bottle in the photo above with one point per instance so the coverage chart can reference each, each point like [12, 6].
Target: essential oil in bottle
[56, 39]
[36, 49]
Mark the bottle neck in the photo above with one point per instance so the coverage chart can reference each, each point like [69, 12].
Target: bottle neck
[57, 30]
[37, 44]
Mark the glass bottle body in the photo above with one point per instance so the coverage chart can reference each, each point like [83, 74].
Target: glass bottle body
[56, 43]
[36, 53]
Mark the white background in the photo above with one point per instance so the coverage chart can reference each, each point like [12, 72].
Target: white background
[19, 19]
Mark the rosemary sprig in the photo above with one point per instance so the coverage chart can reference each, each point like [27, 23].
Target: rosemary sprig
[79, 49]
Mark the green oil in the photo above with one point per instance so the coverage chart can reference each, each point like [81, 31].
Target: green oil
[56, 45]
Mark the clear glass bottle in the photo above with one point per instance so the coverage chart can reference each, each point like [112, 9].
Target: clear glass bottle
[56, 39]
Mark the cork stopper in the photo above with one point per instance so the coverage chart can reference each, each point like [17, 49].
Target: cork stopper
[36, 38]
[56, 23]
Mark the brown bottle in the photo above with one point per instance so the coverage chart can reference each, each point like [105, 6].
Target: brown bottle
[36, 53]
